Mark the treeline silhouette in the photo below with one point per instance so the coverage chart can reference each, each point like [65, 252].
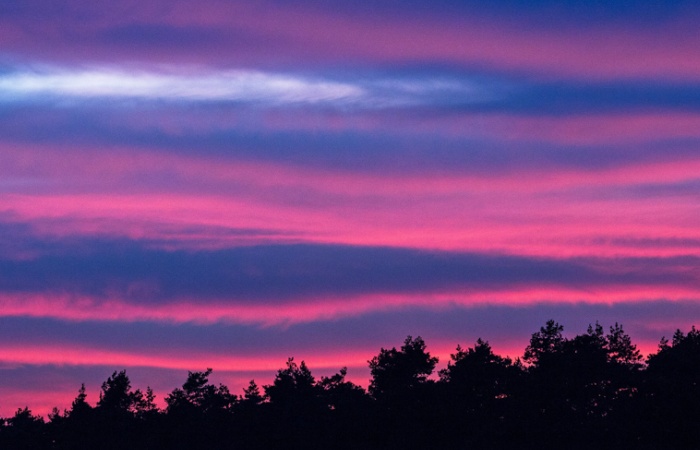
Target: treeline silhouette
[594, 390]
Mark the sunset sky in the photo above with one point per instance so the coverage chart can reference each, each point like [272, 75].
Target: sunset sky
[226, 184]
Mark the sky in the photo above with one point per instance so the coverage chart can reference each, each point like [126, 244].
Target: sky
[227, 184]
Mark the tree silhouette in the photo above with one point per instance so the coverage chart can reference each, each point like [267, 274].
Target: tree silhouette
[586, 391]
[80, 408]
[252, 395]
[198, 413]
[397, 372]
[146, 404]
[117, 397]
[293, 386]
[479, 386]
[114, 420]
[296, 407]
[25, 431]
[475, 366]
[672, 389]
[544, 344]
[621, 350]
[404, 394]
[339, 394]
[477, 376]
[200, 396]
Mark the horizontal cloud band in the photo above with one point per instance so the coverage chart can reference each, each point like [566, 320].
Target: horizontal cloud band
[427, 92]
[133, 271]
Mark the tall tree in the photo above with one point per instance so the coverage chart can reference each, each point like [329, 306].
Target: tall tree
[544, 343]
[116, 395]
[672, 389]
[621, 350]
[197, 394]
[478, 372]
[292, 385]
[80, 407]
[398, 371]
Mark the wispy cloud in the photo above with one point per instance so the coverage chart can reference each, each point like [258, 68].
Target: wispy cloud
[234, 85]
[244, 86]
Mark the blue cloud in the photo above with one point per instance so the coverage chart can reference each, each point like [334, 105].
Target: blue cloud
[282, 273]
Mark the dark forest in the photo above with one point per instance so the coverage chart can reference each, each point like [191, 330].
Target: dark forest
[594, 390]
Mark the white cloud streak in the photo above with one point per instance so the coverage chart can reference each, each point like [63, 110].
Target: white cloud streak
[251, 87]
[243, 86]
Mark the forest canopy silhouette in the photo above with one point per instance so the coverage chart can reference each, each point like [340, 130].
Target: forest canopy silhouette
[593, 389]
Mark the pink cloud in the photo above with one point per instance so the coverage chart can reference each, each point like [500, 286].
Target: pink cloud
[72, 307]
[272, 33]
[529, 211]
[604, 51]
